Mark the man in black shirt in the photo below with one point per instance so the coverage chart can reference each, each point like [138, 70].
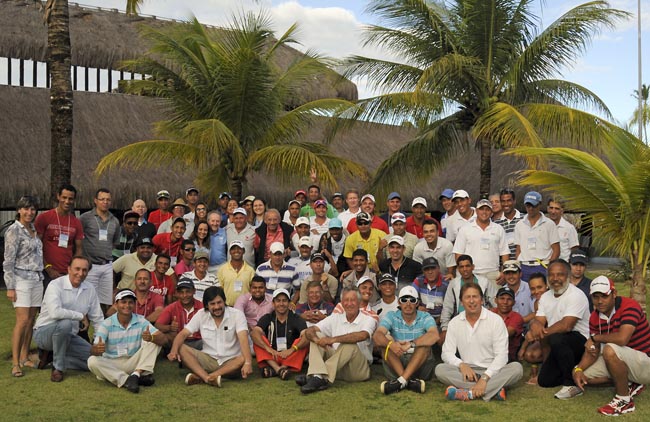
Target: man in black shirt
[404, 269]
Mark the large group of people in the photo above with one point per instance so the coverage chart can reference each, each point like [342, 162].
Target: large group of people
[331, 284]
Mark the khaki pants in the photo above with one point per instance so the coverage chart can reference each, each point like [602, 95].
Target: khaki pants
[347, 361]
[638, 364]
[117, 370]
[508, 376]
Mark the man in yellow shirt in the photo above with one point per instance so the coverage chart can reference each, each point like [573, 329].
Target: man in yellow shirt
[365, 238]
[235, 275]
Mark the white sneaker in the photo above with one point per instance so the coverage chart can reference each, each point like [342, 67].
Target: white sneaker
[568, 392]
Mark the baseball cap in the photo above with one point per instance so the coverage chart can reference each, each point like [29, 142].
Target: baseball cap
[363, 216]
[240, 210]
[250, 198]
[368, 196]
[276, 247]
[578, 257]
[201, 255]
[396, 239]
[460, 193]
[511, 266]
[363, 280]
[294, 201]
[386, 277]
[483, 203]
[533, 198]
[398, 216]
[419, 201]
[299, 192]
[447, 193]
[163, 194]
[601, 284]
[279, 292]
[335, 223]
[408, 291]
[393, 195]
[191, 189]
[225, 195]
[184, 283]
[337, 195]
[304, 241]
[302, 220]
[505, 290]
[316, 256]
[236, 243]
[143, 241]
[430, 262]
[130, 214]
[320, 202]
[124, 293]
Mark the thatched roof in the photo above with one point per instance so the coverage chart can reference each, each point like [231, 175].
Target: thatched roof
[104, 38]
[105, 122]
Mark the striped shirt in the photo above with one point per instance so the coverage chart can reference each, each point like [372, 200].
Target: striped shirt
[509, 228]
[282, 279]
[401, 331]
[431, 296]
[626, 311]
[120, 341]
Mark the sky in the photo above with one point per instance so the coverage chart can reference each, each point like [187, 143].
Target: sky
[335, 27]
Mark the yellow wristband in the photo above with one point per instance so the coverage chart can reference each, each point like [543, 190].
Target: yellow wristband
[294, 347]
[577, 369]
[387, 348]
[47, 266]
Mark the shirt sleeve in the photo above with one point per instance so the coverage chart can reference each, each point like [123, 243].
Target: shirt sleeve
[101, 332]
[52, 300]
[325, 326]
[264, 322]
[577, 306]
[194, 324]
[461, 240]
[11, 251]
[500, 347]
[95, 314]
[240, 321]
[165, 317]
[449, 346]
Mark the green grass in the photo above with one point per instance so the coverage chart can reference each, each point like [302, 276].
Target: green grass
[80, 397]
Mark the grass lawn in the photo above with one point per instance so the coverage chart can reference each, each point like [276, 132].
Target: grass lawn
[80, 397]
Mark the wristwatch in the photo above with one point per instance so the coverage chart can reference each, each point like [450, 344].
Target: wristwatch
[412, 345]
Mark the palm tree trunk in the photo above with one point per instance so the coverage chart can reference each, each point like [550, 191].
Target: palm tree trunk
[59, 60]
[236, 184]
[486, 168]
[638, 288]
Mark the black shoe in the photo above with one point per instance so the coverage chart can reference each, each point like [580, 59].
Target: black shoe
[314, 384]
[390, 387]
[132, 383]
[416, 385]
[301, 379]
[45, 357]
[146, 380]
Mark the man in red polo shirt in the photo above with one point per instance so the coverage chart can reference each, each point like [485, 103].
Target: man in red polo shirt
[170, 243]
[368, 206]
[157, 217]
[514, 322]
[175, 316]
[415, 222]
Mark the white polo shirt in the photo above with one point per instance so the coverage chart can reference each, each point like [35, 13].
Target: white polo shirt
[455, 222]
[568, 238]
[572, 303]
[219, 342]
[443, 252]
[338, 325]
[484, 246]
[535, 241]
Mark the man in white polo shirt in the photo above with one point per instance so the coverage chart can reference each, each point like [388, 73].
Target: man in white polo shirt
[464, 214]
[567, 231]
[536, 238]
[485, 242]
[436, 247]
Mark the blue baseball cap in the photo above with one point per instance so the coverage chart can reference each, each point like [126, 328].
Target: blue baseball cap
[335, 223]
[533, 198]
[394, 195]
[447, 193]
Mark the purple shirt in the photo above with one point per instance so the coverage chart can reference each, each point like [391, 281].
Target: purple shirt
[252, 309]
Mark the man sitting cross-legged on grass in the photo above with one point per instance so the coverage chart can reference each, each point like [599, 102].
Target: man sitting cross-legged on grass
[276, 339]
[340, 346]
[224, 331]
[126, 345]
[408, 360]
[618, 349]
[480, 337]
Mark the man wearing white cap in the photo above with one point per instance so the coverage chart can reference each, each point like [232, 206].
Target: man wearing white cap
[388, 300]
[240, 230]
[277, 273]
[536, 238]
[398, 227]
[415, 221]
[485, 242]
[408, 361]
[368, 206]
[464, 214]
[162, 214]
[235, 275]
[302, 262]
[301, 229]
[618, 348]
[404, 269]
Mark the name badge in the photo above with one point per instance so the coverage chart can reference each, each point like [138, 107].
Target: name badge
[431, 305]
[272, 284]
[103, 234]
[532, 243]
[122, 351]
[63, 240]
[485, 244]
[282, 343]
[173, 260]
[238, 285]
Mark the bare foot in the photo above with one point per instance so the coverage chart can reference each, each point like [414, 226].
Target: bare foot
[532, 381]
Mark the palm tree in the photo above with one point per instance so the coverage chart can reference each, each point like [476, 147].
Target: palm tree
[474, 73]
[227, 101]
[644, 113]
[613, 191]
[59, 60]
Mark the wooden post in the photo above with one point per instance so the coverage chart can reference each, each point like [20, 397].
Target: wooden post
[86, 78]
[21, 72]
[98, 81]
[110, 80]
[47, 74]
[34, 73]
[9, 71]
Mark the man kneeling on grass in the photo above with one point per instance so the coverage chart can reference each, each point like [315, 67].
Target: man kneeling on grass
[481, 368]
[224, 331]
[276, 339]
[125, 346]
[408, 360]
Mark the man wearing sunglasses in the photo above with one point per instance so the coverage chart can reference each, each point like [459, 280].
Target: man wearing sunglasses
[366, 238]
[408, 360]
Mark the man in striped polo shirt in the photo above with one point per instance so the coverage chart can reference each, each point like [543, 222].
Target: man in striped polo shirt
[618, 348]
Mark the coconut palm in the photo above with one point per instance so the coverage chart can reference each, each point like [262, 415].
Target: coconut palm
[227, 103]
[475, 73]
[644, 95]
[613, 191]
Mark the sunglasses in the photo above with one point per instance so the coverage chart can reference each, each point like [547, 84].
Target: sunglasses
[189, 249]
[408, 299]
[363, 223]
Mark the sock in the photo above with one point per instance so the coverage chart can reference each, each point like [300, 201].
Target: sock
[626, 398]
[402, 381]
[136, 373]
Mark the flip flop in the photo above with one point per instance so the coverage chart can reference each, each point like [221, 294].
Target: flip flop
[284, 373]
[16, 371]
[268, 372]
[27, 363]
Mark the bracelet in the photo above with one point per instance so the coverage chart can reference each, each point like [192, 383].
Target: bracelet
[387, 348]
[294, 347]
[577, 369]
[247, 363]
[47, 266]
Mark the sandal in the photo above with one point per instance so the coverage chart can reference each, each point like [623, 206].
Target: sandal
[16, 371]
[27, 363]
[284, 373]
[268, 372]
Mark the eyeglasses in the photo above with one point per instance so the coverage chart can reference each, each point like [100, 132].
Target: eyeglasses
[363, 223]
[130, 223]
[189, 249]
[408, 299]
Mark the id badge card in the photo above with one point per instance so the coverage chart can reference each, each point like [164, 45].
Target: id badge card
[63, 240]
[238, 285]
[485, 244]
[282, 343]
[532, 243]
[122, 351]
[173, 260]
[431, 305]
[272, 284]
[103, 234]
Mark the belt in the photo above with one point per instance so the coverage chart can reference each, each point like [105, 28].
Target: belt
[535, 263]
[103, 262]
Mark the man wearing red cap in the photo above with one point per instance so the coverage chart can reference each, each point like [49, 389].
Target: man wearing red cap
[618, 348]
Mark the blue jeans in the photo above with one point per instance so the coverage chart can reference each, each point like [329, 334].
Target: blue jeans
[528, 270]
[69, 350]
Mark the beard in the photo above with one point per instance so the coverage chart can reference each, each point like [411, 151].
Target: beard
[561, 290]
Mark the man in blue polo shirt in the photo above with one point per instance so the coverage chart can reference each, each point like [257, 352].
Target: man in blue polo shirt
[408, 360]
